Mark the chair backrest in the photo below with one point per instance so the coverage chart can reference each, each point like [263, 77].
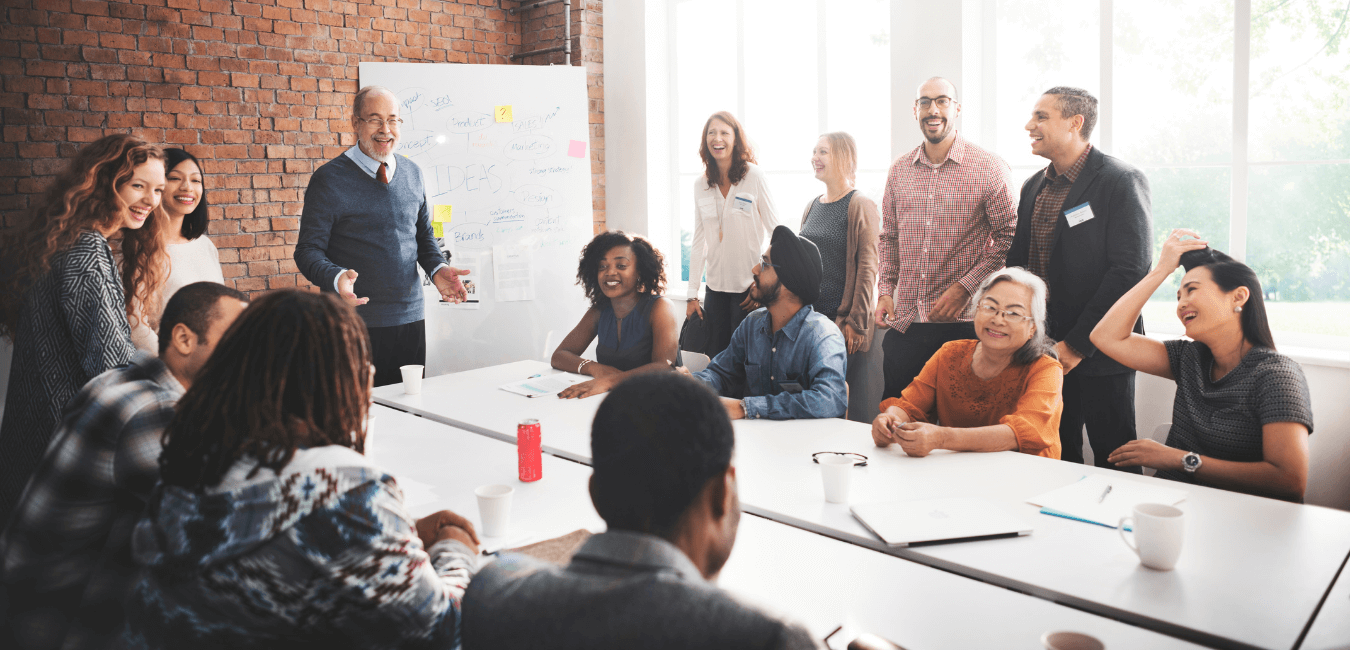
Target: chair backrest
[1160, 432]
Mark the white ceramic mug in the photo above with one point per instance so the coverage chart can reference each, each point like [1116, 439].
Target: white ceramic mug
[1158, 532]
[836, 471]
[1070, 641]
[412, 379]
[494, 509]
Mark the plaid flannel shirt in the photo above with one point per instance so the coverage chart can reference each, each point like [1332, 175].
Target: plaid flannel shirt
[943, 224]
[66, 551]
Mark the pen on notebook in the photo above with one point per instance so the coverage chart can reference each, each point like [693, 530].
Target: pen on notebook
[1104, 493]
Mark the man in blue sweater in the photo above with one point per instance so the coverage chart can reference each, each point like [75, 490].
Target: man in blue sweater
[366, 211]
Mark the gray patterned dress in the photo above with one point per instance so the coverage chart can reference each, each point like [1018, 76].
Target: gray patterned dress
[73, 328]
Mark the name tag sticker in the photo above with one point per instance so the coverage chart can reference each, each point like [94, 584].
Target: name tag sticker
[744, 203]
[1079, 215]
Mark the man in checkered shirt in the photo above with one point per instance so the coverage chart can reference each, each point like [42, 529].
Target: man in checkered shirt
[948, 218]
[67, 548]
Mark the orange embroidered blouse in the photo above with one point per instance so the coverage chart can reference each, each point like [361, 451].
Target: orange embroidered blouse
[1027, 398]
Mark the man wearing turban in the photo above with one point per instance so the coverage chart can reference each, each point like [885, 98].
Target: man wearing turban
[785, 361]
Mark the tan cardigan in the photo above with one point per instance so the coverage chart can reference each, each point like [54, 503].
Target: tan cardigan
[860, 277]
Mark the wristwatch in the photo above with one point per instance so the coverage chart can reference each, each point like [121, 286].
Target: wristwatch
[1190, 462]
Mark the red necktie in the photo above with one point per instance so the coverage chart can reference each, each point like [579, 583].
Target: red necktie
[383, 176]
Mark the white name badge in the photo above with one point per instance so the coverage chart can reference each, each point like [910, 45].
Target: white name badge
[1079, 214]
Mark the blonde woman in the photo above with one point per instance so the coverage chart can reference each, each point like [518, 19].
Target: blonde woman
[844, 224]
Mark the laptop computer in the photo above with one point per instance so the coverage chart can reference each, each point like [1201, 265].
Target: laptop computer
[928, 521]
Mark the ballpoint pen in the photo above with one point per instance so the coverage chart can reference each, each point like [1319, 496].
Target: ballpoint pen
[1104, 493]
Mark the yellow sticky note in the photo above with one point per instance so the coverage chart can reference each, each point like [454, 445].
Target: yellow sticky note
[438, 228]
[442, 213]
[503, 113]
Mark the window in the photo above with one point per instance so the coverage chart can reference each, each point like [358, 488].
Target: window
[789, 70]
[1273, 189]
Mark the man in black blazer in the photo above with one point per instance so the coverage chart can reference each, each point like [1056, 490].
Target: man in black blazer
[1083, 226]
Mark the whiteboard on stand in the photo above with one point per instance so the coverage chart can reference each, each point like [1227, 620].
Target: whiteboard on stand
[505, 154]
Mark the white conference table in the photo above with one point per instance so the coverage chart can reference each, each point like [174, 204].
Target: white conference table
[1252, 574]
[819, 582]
[1331, 629]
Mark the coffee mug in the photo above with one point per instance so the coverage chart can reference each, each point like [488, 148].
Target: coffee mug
[1158, 532]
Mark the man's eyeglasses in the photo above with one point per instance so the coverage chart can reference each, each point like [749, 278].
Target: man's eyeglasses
[942, 102]
[1010, 316]
[764, 263]
[379, 123]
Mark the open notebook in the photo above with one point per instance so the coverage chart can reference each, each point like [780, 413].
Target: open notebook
[1083, 500]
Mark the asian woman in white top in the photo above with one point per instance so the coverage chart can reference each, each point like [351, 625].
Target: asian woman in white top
[733, 214]
[191, 255]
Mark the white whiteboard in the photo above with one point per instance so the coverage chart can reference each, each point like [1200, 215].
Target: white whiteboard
[526, 182]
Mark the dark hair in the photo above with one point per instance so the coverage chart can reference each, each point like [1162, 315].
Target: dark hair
[194, 224]
[741, 152]
[293, 371]
[656, 441]
[1076, 101]
[197, 307]
[84, 198]
[651, 265]
[1230, 274]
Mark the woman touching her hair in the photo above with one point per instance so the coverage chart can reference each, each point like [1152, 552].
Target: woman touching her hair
[1242, 414]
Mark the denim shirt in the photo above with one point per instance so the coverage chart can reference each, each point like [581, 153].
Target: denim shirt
[809, 350]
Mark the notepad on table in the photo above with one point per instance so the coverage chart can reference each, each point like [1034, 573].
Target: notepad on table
[543, 384]
[1083, 500]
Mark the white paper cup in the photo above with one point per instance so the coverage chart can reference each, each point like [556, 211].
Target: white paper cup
[1070, 641]
[494, 509]
[836, 471]
[412, 379]
[1158, 532]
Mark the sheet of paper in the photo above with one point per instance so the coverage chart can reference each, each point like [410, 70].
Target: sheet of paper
[1083, 499]
[541, 385]
[576, 149]
[438, 229]
[473, 262]
[503, 113]
[442, 213]
[513, 272]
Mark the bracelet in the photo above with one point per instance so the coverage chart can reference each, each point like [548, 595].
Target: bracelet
[582, 365]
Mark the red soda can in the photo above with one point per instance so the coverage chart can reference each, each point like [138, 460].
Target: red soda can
[528, 447]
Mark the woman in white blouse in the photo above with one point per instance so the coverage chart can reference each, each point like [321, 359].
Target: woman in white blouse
[192, 257]
[733, 214]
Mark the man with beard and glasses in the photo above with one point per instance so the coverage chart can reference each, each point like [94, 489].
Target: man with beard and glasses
[1084, 227]
[947, 219]
[785, 361]
[366, 211]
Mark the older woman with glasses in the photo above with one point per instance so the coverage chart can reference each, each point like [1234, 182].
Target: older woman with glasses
[999, 392]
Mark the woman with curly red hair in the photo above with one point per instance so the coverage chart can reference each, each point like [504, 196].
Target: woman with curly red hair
[624, 277]
[62, 302]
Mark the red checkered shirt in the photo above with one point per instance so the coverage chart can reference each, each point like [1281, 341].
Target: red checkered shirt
[943, 224]
[1049, 203]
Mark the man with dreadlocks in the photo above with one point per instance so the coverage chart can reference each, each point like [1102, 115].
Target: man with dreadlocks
[270, 528]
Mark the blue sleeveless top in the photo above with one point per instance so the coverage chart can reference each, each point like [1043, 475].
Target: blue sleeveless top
[636, 347]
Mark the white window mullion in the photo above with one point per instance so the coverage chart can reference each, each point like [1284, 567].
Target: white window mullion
[1242, 48]
[1106, 94]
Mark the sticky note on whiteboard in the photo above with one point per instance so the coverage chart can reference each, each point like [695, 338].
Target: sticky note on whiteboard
[503, 113]
[438, 229]
[442, 213]
[576, 149]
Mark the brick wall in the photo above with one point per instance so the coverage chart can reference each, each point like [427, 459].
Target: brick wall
[259, 90]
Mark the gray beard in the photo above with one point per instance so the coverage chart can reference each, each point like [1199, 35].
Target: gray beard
[384, 159]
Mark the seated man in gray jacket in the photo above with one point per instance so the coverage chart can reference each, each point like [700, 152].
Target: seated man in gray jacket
[664, 484]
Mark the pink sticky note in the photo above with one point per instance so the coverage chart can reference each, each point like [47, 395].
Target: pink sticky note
[577, 149]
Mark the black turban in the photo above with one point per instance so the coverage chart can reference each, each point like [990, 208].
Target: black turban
[798, 261]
